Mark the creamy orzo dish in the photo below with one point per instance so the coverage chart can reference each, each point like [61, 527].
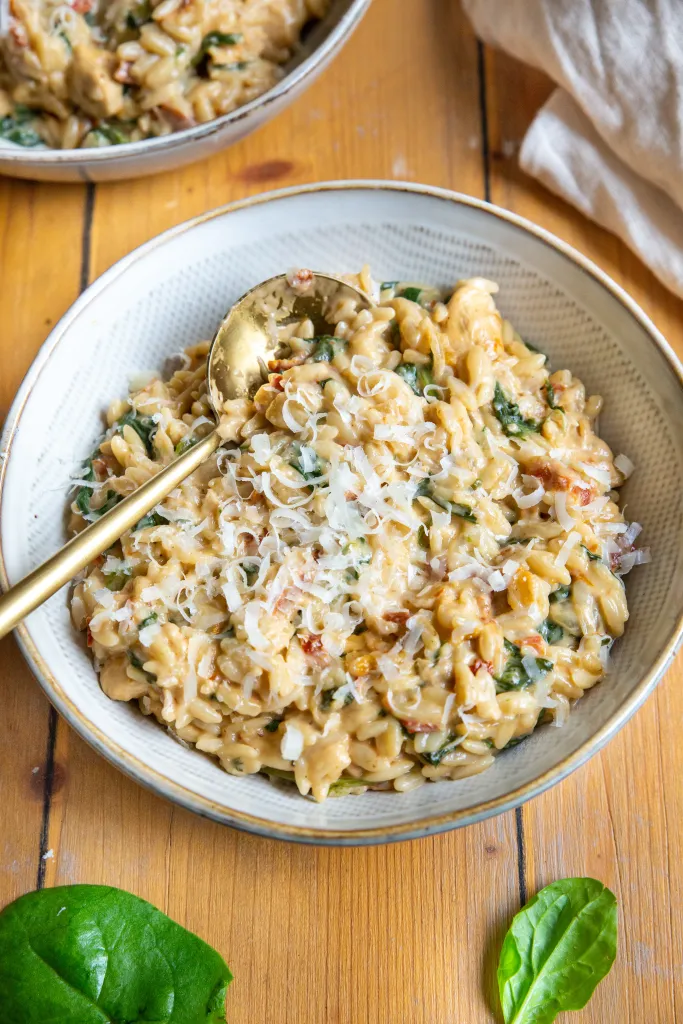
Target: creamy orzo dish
[102, 72]
[411, 555]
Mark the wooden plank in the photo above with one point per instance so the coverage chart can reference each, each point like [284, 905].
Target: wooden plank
[618, 818]
[374, 935]
[40, 238]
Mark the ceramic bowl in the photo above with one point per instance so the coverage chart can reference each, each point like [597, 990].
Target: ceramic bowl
[173, 291]
[135, 159]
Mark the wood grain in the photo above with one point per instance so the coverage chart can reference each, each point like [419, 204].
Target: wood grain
[618, 819]
[411, 932]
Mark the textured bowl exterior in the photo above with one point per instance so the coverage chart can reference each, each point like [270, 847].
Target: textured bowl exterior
[151, 156]
[174, 290]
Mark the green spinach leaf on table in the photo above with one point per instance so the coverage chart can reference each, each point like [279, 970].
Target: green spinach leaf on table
[91, 954]
[559, 946]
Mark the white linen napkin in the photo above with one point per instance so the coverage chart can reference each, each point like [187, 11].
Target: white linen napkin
[610, 138]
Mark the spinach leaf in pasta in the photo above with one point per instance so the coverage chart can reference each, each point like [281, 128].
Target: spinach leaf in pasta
[559, 947]
[92, 954]
[515, 676]
[551, 632]
[509, 416]
[144, 427]
[416, 377]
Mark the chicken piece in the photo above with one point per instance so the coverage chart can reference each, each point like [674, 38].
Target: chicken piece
[90, 82]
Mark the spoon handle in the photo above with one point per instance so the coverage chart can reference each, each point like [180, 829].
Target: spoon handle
[46, 580]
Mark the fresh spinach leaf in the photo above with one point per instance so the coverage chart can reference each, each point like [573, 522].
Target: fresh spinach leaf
[508, 415]
[149, 620]
[514, 676]
[274, 724]
[551, 632]
[388, 286]
[144, 427]
[559, 947]
[591, 554]
[92, 954]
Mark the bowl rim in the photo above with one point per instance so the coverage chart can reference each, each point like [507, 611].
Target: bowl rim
[317, 59]
[160, 784]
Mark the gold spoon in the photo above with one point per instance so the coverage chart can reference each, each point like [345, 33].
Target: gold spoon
[236, 367]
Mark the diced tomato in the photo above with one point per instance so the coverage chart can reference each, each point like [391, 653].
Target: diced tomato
[536, 641]
[276, 381]
[478, 663]
[82, 6]
[582, 495]
[414, 726]
[89, 639]
[310, 643]
[400, 617]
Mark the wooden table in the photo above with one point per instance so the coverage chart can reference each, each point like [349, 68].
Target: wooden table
[403, 934]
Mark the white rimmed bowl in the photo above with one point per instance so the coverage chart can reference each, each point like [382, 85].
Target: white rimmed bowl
[173, 291]
[135, 159]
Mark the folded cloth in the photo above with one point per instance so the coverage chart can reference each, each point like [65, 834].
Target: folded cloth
[610, 139]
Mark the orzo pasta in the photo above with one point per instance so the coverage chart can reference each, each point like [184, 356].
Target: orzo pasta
[411, 555]
[102, 72]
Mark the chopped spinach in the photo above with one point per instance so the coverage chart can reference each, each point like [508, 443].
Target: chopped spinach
[312, 474]
[360, 628]
[425, 490]
[561, 594]
[14, 128]
[149, 620]
[326, 348]
[117, 580]
[411, 293]
[508, 415]
[274, 724]
[84, 498]
[221, 39]
[550, 396]
[514, 676]
[138, 664]
[388, 286]
[435, 757]
[422, 537]
[185, 443]
[151, 519]
[144, 427]
[551, 632]
[416, 377]
[236, 65]
[591, 554]
[346, 785]
[251, 570]
[139, 14]
[107, 134]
